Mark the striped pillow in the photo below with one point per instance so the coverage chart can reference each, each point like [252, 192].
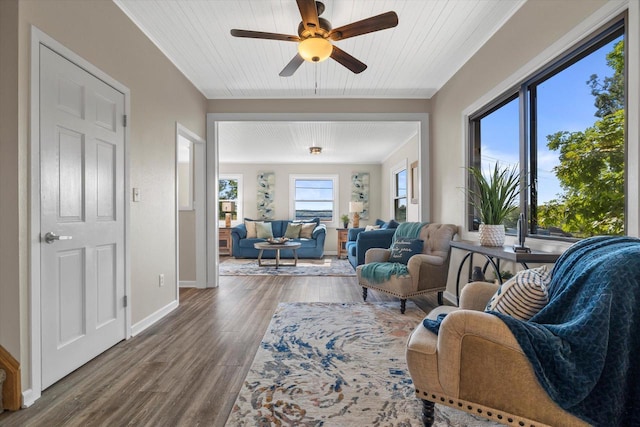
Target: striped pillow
[523, 295]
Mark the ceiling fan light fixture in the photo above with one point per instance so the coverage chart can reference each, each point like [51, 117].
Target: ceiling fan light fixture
[315, 149]
[315, 49]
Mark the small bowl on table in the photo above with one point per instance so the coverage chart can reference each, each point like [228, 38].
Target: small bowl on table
[277, 240]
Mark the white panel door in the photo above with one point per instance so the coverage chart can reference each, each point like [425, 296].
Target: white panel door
[82, 216]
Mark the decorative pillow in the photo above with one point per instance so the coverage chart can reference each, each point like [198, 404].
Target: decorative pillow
[307, 230]
[251, 228]
[523, 295]
[391, 224]
[293, 231]
[263, 230]
[371, 227]
[404, 248]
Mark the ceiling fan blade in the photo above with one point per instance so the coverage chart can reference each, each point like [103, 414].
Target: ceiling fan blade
[292, 66]
[347, 60]
[369, 25]
[262, 35]
[309, 14]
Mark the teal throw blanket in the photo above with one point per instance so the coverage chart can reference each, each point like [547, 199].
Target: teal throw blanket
[379, 272]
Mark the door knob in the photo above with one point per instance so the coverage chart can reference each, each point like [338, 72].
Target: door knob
[52, 237]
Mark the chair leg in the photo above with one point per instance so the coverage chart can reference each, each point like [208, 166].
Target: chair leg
[428, 413]
[364, 293]
[440, 301]
[403, 305]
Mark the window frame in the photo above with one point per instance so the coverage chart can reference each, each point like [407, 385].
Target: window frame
[528, 129]
[239, 202]
[334, 178]
[393, 189]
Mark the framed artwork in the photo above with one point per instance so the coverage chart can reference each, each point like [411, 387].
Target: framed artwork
[360, 191]
[414, 183]
[266, 190]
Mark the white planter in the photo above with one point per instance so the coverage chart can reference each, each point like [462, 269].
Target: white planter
[491, 235]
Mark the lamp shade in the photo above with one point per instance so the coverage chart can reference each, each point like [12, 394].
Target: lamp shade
[356, 207]
[228, 206]
[315, 49]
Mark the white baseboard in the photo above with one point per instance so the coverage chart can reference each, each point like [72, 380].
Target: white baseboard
[153, 318]
[188, 284]
[29, 398]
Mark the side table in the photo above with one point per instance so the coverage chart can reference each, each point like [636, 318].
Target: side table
[343, 234]
[224, 241]
[494, 254]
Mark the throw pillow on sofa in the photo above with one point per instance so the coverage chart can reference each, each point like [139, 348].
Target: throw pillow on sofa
[372, 227]
[307, 230]
[251, 228]
[523, 295]
[263, 230]
[293, 231]
[403, 249]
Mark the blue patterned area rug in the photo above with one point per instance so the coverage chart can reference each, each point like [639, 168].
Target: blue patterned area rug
[328, 266]
[332, 364]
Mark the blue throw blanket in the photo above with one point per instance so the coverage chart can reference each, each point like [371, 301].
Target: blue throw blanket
[584, 346]
[379, 272]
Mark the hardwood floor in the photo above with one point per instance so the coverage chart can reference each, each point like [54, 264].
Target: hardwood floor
[187, 369]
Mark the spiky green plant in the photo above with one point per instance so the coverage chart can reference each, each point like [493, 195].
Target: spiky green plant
[494, 196]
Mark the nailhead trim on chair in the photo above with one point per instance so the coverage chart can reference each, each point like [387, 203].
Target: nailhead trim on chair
[412, 294]
[481, 410]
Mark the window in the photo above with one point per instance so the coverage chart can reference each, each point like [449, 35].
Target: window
[564, 128]
[314, 196]
[230, 190]
[399, 188]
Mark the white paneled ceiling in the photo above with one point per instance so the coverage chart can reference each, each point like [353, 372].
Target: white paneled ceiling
[433, 39]
[288, 142]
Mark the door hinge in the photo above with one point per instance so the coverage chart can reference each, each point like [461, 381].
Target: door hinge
[126, 301]
[124, 120]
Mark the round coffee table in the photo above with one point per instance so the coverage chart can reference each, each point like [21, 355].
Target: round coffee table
[262, 246]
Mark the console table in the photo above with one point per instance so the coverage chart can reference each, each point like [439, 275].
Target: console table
[494, 254]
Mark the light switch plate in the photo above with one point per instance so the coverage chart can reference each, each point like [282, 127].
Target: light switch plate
[136, 194]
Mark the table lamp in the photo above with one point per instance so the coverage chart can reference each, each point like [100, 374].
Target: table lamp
[227, 208]
[355, 208]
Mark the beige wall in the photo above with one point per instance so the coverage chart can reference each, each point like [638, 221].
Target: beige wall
[250, 172]
[187, 246]
[11, 186]
[407, 153]
[160, 96]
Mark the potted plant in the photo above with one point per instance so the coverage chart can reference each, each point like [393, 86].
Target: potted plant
[494, 197]
[345, 220]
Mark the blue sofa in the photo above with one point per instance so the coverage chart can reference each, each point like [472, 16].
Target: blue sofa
[359, 241]
[311, 248]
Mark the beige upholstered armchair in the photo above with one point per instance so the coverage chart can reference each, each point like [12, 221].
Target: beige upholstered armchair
[425, 272]
[475, 365]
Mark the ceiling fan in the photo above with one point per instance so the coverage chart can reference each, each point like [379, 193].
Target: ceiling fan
[314, 34]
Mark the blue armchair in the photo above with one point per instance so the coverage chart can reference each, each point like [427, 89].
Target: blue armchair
[358, 241]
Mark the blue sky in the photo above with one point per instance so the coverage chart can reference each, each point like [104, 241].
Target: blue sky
[565, 103]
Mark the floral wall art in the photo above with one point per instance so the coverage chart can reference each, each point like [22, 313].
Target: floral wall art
[360, 191]
[266, 190]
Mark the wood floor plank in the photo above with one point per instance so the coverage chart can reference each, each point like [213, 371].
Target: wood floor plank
[187, 369]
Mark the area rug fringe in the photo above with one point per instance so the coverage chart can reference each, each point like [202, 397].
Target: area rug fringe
[333, 364]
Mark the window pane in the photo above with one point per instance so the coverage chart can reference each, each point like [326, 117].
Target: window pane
[314, 198]
[580, 141]
[500, 135]
[400, 209]
[401, 183]
[227, 192]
